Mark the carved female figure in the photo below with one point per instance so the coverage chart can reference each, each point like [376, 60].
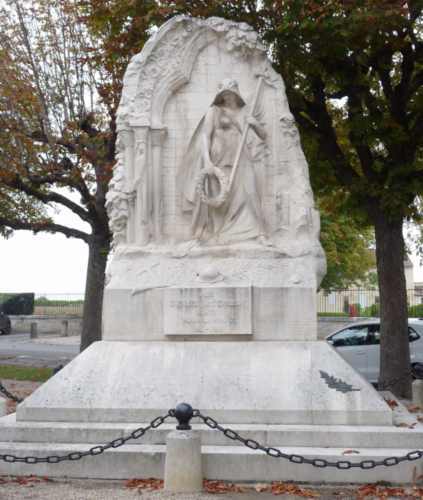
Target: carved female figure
[210, 159]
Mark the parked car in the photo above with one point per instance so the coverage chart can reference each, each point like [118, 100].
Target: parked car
[5, 324]
[359, 344]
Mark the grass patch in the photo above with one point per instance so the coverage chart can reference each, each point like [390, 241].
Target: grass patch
[14, 372]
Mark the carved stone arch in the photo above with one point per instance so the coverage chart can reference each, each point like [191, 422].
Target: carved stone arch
[170, 84]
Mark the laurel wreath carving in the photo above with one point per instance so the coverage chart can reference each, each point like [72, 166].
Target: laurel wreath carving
[221, 198]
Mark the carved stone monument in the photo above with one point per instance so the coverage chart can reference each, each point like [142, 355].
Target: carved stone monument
[212, 283]
[213, 216]
[211, 292]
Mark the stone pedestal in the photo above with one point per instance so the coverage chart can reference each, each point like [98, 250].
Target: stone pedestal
[242, 382]
[193, 292]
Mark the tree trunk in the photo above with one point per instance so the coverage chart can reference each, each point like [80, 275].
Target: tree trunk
[395, 374]
[99, 248]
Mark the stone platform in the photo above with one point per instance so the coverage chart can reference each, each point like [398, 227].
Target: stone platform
[222, 459]
[243, 382]
[300, 397]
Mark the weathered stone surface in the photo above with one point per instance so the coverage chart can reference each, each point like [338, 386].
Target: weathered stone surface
[207, 311]
[183, 464]
[276, 314]
[243, 382]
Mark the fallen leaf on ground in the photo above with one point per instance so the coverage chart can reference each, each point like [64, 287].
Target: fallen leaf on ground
[218, 487]
[420, 418]
[150, 484]
[25, 480]
[393, 492]
[391, 403]
[280, 488]
[414, 408]
[350, 452]
[381, 492]
[10, 406]
[404, 424]
[367, 490]
[261, 488]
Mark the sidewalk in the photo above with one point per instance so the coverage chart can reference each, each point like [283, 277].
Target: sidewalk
[52, 339]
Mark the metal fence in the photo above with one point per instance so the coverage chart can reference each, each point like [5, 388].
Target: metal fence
[351, 302]
[359, 302]
[59, 304]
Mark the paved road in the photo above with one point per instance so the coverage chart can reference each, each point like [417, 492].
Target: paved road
[19, 349]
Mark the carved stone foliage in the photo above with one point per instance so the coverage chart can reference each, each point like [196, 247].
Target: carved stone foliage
[164, 54]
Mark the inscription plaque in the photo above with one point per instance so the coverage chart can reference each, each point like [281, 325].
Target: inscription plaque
[207, 311]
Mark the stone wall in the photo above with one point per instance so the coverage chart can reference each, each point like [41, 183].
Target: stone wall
[59, 325]
[55, 324]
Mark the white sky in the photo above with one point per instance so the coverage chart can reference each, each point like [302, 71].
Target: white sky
[54, 264]
[44, 263]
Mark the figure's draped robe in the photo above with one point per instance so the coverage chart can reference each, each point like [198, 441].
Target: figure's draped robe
[240, 217]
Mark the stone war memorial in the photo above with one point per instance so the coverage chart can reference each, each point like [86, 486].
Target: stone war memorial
[211, 290]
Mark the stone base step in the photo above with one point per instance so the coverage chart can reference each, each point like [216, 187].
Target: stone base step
[336, 436]
[232, 463]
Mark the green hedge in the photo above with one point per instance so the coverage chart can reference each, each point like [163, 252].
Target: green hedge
[43, 301]
[415, 311]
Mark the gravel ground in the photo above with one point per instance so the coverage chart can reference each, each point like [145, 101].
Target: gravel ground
[19, 388]
[104, 490]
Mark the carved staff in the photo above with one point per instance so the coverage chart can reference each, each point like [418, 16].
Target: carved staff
[244, 135]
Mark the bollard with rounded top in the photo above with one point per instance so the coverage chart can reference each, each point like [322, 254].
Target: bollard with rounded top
[417, 388]
[183, 470]
[65, 329]
[3, 407]
[33, 331]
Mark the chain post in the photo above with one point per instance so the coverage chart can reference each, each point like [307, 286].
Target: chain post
[183, 414]
[183, 462]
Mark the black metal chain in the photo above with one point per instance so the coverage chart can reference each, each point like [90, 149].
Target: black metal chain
[229, 433]
[299, 459]
[9, 395]
[95, 450]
